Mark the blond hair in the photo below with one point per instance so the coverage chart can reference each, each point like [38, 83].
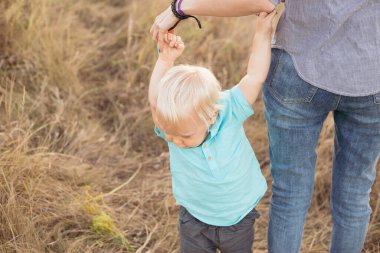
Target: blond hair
[186, 90]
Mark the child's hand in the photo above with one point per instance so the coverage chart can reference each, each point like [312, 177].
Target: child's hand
[264, 24]
[171, 47]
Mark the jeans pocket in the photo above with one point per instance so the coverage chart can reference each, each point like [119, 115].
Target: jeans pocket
[286, 85]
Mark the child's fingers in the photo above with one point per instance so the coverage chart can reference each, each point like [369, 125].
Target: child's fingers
[267, 18]
[179, 41]
[180, 45]
[272, 14]
[173, 41]
[270, 17]
[263, 14]
[170, 37]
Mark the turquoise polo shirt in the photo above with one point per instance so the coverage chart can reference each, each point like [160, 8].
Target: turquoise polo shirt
[220, 181]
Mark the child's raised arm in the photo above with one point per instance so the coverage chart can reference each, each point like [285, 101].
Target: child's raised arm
[259, 60]
[168, 53]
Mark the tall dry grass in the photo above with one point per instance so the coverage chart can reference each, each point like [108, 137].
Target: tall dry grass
[80, 167]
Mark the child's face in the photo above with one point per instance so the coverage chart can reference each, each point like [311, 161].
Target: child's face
[187, 133]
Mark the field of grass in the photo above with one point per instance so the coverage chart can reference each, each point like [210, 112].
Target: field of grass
[81, 169]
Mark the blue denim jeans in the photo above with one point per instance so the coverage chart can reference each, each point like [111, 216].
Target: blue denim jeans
[295, 111]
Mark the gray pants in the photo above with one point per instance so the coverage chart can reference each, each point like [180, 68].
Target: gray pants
[198, 237]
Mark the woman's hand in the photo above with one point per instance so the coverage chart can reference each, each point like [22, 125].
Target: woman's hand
[162, 24]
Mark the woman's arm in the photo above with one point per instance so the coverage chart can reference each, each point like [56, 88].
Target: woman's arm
[226, 8]
[219, 8]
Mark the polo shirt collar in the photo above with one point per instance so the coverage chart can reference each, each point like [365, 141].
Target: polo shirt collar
[214, 128]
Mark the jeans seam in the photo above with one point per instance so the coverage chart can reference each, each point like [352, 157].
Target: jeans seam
[337, 104]
[275, 69]
[376, 100]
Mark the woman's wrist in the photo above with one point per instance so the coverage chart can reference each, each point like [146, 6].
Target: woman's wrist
[179, 8]
[184, 7]
[177, 11]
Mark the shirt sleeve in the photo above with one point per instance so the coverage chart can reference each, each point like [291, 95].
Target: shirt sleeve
[240, 107]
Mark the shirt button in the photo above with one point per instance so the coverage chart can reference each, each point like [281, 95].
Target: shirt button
[209, 158]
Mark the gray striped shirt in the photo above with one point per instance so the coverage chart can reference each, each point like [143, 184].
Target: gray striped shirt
[335, 44]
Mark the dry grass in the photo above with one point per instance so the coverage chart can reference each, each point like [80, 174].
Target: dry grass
[81, 170]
